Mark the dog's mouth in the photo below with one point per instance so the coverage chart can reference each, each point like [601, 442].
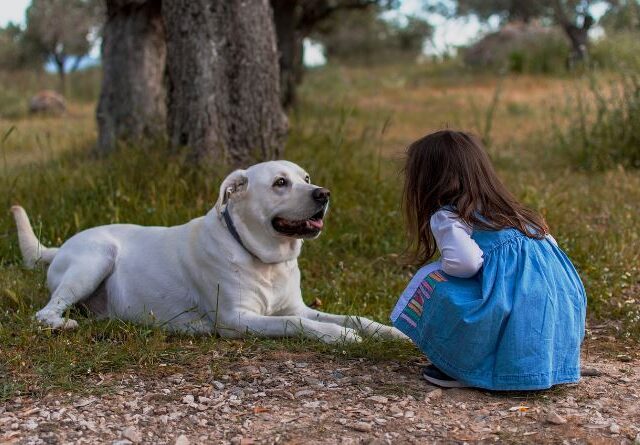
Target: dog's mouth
[303, 228]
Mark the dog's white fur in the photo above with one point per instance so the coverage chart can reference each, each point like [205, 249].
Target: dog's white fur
[197, 277]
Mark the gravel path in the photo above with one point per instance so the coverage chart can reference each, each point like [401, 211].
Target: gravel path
[280, 397]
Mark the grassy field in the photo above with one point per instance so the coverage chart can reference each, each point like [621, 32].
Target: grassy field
[349, 131]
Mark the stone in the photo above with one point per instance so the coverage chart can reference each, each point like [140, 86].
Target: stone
[132, 434]
[304, 393]
[434, 395]
[47, 102]
[378, 399]
[182, 440]
[556, 418]
[614, 428]
[362, 426]
[188, 399]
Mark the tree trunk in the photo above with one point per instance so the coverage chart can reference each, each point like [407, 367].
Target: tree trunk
[289, 37]
[59, 61]
[579, 38]
[132, 102]
[224, 92]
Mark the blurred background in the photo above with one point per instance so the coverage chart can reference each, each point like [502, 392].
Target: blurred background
[133, 110]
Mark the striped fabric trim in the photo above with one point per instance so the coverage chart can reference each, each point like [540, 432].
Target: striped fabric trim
[413, 310]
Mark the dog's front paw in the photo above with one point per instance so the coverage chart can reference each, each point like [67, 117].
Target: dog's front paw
[351, 336]
[394, 334]
[347, 335]
[54, 321]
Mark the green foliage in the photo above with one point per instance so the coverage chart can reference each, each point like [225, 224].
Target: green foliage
[16, 51]
[618, 51]
[604, 125]
[624, 15]
[520, 49]
[363, 37]
[60, 29]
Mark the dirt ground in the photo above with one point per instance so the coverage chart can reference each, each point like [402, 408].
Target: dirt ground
[301, 398]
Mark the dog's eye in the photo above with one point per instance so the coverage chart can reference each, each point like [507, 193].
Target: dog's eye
[307, 179]
[280, 182]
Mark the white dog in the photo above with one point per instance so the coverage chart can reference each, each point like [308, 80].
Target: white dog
[233, 271]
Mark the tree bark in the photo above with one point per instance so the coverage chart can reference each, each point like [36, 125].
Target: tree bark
[578, 35]
[286, 15]
[59, 61]
[579, 38]
[132, 102]
[223, 81]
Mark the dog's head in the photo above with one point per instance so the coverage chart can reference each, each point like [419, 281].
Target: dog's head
[273, 205]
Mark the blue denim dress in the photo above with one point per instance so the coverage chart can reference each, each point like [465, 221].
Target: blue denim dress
[516, 325]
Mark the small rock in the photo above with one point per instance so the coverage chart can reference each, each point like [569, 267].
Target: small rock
[614, 428]
[219, 385]
[304, 392]
[132, 434]
[362, 426]
[182, 440]
[378, 399]
[556, 418]
[85, 402]
[301, 365]
[433, 395]
[47, 102]
[637, 440]
[590, 372]
[189, 399]
[121, 442]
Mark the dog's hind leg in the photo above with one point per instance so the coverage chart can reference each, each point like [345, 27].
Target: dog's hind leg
[80, 279]
[361, 324]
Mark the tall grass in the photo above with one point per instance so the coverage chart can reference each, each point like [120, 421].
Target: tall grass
[16, 88]
[604, 125]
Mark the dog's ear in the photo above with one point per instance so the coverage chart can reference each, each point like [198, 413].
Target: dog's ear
[233, 185]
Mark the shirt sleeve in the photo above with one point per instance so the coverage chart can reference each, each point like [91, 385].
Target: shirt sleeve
[461, 255]
[552, 239]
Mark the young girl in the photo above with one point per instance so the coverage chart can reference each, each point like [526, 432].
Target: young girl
[503, 308]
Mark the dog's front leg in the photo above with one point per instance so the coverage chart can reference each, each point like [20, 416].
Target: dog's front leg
[361, 324]
[247, 323]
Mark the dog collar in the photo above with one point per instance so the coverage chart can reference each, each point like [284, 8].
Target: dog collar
[232, 228]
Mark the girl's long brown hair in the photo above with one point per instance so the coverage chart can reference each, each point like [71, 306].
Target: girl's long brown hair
[451, 168]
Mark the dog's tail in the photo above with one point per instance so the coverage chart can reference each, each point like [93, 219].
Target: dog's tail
[32, 251]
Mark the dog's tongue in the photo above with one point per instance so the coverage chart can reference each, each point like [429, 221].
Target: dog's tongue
[316, 223]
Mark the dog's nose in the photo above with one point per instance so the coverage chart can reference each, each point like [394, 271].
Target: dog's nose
[321, 195]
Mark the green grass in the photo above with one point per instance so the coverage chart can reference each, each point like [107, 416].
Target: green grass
[347, 131]
[604, 130]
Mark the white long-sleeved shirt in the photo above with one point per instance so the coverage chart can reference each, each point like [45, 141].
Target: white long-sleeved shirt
[460, 254]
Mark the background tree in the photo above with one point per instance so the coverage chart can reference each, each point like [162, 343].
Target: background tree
[573, 16]
[294, 21]
[16, 52]
[62, 29]
[624, 15]
[223, 83]
[132, 103]
[364, 37]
